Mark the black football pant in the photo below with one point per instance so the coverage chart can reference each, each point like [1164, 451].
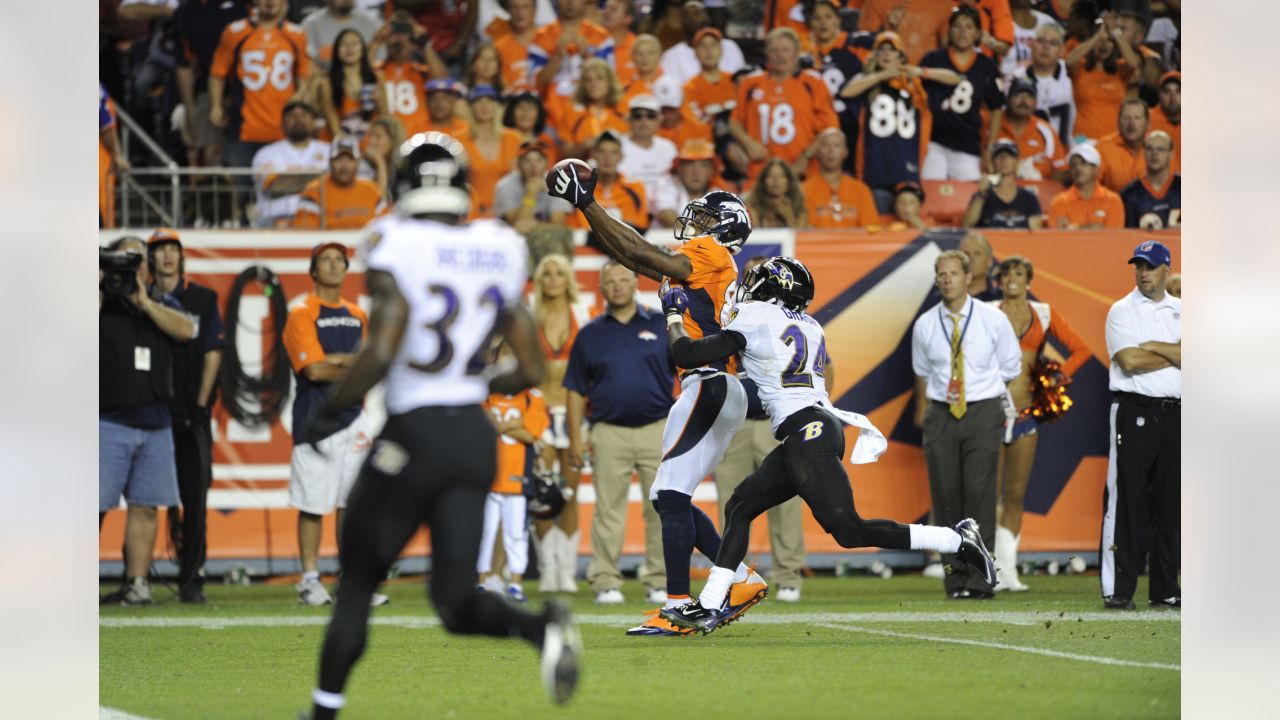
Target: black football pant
[1143, 498]
[435, 466]
[808, 463]
[193, 455]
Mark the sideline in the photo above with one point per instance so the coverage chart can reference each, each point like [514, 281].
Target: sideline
[1002, 646]
[625, 619]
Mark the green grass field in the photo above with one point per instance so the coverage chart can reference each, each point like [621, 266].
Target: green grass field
[855, 647]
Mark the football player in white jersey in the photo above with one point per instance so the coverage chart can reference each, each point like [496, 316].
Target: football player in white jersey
[712, 404]
[440, 288]
[782, 349]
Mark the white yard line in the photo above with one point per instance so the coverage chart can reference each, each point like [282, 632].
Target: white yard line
[1002, 646]
[106, 713]
[626, 618]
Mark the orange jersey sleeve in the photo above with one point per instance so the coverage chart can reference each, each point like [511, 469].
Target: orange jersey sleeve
[709, 283]
[224, 56]
[824, 108]
[300, 338]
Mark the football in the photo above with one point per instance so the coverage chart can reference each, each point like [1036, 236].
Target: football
[581, 168]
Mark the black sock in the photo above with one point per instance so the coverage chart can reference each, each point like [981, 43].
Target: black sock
[678, 535]
[707, 538]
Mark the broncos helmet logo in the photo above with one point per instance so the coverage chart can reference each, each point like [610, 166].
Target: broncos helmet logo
[720, 214]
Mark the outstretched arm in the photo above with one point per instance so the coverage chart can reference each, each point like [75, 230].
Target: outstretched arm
[620, 240]
[631, 249]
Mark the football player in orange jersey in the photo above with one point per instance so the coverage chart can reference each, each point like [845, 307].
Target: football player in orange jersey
[712, 404]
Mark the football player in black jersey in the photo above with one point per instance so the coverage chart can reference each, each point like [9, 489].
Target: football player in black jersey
[434, 461]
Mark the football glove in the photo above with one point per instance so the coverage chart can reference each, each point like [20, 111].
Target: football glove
[567, 185]
[675, 301]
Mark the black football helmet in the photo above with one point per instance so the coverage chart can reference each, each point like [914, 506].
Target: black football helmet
[720, 214]
[544, 495]
[432, 175]
[780, 280]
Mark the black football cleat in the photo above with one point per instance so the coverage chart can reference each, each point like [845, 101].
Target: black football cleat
[561, 653]
[974, 553]
[1111, 602]
[692, 616]
[967, 594]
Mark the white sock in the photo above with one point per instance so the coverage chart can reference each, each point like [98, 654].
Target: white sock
[676, 601]
[740, 575]
[717, 587]
[310, 576]
[333, 701]
[931, 537]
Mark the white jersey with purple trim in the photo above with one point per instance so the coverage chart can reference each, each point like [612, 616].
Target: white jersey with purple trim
[785, 357]
[456, 279]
